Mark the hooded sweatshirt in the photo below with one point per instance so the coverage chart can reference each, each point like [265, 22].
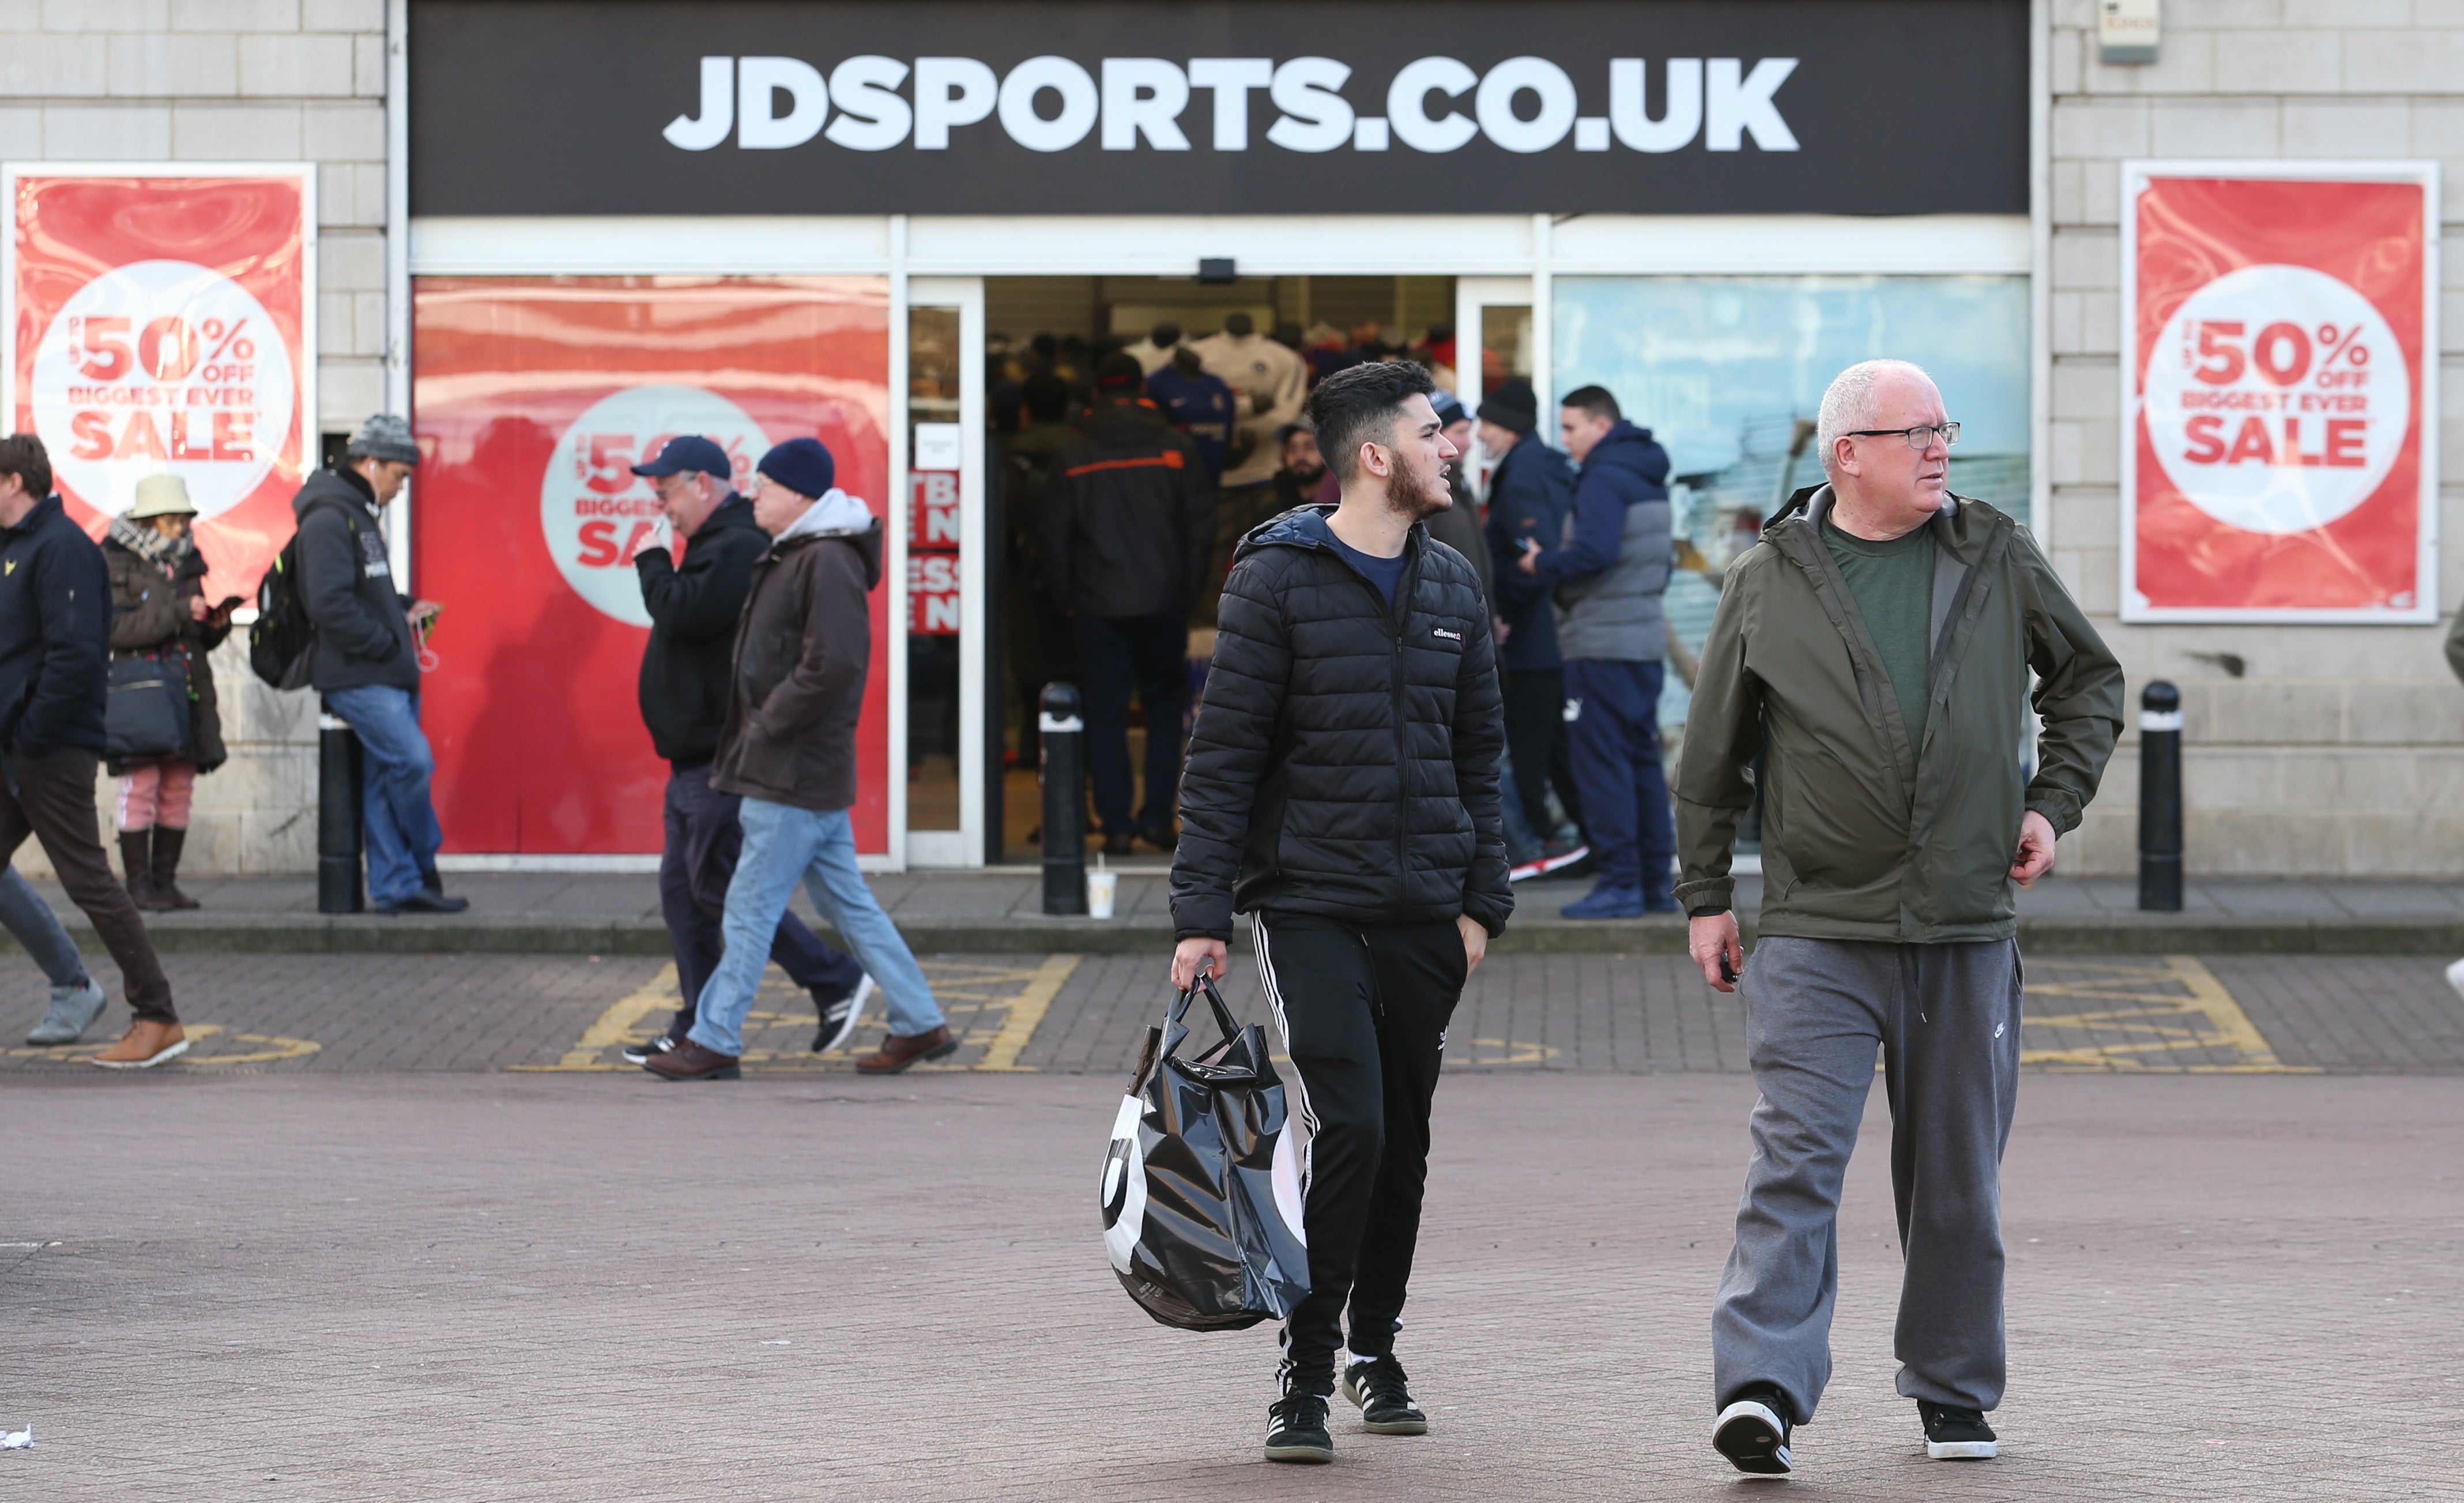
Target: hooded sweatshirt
[803, 648]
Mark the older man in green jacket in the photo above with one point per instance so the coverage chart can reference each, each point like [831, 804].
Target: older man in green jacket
[1875, 653]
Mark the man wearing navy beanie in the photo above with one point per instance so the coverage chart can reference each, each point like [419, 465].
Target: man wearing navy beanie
[694, 609]
[796, 675]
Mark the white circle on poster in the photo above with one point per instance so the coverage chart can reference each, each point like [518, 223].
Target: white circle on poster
[2276, 399]
[162, 367]
[597, 514]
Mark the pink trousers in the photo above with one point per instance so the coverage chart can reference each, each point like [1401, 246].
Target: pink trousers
[156, 793]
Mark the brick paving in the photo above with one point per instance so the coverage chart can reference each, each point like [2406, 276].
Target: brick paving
[1645, 1014]
[575, 1287]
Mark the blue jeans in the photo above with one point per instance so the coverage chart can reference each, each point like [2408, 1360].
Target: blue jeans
[782, 844]
[1614, 743]
[399, 821]
[25, 915]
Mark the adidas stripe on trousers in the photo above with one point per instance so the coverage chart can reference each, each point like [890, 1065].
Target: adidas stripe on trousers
[1363, 1009]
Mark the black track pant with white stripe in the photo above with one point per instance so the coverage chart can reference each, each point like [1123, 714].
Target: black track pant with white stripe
[1364, 1012]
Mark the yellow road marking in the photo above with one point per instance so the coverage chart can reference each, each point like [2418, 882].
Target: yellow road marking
[616, 1024]
[277, 1048]
[2153, 1022]
[1027, 1011]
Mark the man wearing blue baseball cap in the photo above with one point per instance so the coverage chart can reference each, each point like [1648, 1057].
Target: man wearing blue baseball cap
[684, 687]
[803, 648]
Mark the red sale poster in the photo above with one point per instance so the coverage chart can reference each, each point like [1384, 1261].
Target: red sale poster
[163, 323]
[2281, 323]
[534, 398]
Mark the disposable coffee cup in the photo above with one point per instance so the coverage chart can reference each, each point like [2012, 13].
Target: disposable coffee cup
[1101, 886]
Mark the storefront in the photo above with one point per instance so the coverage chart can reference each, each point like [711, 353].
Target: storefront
[761, 221]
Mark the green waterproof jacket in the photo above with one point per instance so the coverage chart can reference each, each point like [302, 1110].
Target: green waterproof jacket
[1864, 836]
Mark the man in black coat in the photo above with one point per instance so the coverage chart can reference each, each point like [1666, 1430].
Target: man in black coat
[366, 660]
[685, 686]
[1530, 492]
[1130, 519]
[1343, 787]
[55, 649]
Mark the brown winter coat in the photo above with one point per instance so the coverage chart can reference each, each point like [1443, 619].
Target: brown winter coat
[149, 614]
[801, 649]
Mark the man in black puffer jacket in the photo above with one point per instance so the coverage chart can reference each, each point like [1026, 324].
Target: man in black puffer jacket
[1343, 787]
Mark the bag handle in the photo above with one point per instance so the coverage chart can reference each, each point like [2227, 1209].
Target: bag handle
[1175, 1030]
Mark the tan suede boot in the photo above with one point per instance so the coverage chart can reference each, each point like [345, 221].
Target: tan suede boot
[146, 1043]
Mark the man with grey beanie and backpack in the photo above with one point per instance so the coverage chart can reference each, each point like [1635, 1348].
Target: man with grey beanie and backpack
[364, 659]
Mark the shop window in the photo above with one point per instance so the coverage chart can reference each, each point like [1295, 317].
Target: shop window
[1728, 373]
[535, 397]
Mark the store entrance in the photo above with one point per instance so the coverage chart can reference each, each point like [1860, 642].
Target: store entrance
[1266, 340]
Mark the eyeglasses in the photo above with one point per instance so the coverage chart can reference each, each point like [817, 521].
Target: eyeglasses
[1920, 437]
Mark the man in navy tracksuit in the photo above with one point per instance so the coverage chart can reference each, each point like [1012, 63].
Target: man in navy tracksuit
[1610, 574]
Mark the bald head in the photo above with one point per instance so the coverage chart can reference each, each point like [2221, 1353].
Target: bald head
[1885, 488]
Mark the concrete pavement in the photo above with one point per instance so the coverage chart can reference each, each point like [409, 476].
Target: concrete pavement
[538, 1287]
[1000, 911]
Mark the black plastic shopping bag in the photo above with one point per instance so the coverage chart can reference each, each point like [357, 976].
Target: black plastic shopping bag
[1202, 1184]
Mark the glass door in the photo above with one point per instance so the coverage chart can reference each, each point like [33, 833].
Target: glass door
[939, 569]
[1494, 338]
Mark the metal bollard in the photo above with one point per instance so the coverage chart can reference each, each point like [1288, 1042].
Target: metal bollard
[2160, 798]
[337, 816]
[1063, 763]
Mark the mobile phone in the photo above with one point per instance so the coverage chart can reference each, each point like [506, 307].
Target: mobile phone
[1727, 972]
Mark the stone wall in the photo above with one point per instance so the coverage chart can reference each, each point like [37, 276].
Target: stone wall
[232, 80]
[2339, 750]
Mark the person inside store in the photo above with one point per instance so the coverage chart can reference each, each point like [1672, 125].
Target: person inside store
[1154, 351]
[1458, 526]
[1128, 522]
[802, 653]
[1296, 482]
[159, 611]
[1376, 882]
[1038, 644]
[1899, 832]
[364, 659]
[1268, 382]
[55, 685]
[1530, 492]
[682, 692]
[1607, 576]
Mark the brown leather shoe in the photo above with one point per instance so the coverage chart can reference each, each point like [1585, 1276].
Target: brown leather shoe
[146, 1043]
[897, 1051]
[689, 1061]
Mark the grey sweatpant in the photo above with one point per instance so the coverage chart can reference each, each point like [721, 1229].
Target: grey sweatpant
[1946, 1020]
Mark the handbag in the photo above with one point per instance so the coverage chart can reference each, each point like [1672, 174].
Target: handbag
[1201, 1188]
[148, 713]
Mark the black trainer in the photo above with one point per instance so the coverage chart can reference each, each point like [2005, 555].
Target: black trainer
[640, 1053]
[1384, 1396]
[1956, 1434]
[1752, 1431]
[1296, 1430]
[838, 1014]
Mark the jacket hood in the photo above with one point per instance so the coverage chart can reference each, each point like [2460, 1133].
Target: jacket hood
[838, 515]
[326, 485]
[1305, 527]
[1962, 526]
[1630, 449]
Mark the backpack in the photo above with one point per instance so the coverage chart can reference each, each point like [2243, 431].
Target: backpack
[282, 644]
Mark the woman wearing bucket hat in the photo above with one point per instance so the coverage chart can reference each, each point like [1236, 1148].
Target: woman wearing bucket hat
[158, 608]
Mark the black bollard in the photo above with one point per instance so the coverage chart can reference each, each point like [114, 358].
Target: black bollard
[337, 816]
[2160, 798]
[1064, 761]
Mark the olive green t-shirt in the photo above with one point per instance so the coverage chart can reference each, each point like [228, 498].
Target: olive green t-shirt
[1893, 582]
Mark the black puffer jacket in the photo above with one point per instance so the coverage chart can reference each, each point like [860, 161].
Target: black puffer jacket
[694, 609]
[1346, 756]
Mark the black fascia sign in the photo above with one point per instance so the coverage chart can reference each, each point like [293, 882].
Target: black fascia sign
[1102, 106]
